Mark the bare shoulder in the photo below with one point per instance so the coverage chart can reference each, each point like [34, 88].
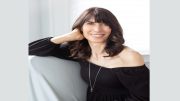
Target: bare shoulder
[131, 57]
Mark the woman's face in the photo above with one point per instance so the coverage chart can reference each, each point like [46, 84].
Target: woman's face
[96, 32]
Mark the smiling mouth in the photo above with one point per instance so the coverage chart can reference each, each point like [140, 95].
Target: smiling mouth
[97, 35]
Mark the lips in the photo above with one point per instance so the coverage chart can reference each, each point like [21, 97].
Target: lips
[97, 35]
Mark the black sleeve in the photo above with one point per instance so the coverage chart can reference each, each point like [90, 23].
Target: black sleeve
[136, 80]
[44, 47]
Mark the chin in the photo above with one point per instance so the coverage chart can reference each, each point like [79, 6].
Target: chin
[98, 40]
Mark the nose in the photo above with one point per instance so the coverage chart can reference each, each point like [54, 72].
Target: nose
[97, 27]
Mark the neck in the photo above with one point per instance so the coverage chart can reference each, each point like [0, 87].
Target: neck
[97, 50]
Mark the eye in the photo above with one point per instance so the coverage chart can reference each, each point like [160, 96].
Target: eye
[90, 23]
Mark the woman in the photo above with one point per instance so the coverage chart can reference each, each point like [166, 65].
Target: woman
[113, 71]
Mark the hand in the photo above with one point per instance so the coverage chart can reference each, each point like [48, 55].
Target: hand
[77, 34]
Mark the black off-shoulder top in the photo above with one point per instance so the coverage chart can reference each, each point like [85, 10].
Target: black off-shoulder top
[112, 84]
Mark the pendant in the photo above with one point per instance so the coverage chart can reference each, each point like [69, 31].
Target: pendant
[91, 89]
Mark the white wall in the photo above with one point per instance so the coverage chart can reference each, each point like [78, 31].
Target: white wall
[60, 15]
[48, 18]
[34, 20]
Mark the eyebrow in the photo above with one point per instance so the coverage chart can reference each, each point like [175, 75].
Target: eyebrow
[90, 21]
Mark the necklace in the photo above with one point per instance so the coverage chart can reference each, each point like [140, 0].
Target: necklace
[92, 86]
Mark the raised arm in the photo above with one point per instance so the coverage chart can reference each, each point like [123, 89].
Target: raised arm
[54, 46]
[72, 36]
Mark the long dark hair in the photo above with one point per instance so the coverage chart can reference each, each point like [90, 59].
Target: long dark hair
[114, 44]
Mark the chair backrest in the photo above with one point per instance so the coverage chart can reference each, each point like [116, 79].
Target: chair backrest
[147, 60]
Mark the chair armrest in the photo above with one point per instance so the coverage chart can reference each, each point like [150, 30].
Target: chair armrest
[58, 76]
